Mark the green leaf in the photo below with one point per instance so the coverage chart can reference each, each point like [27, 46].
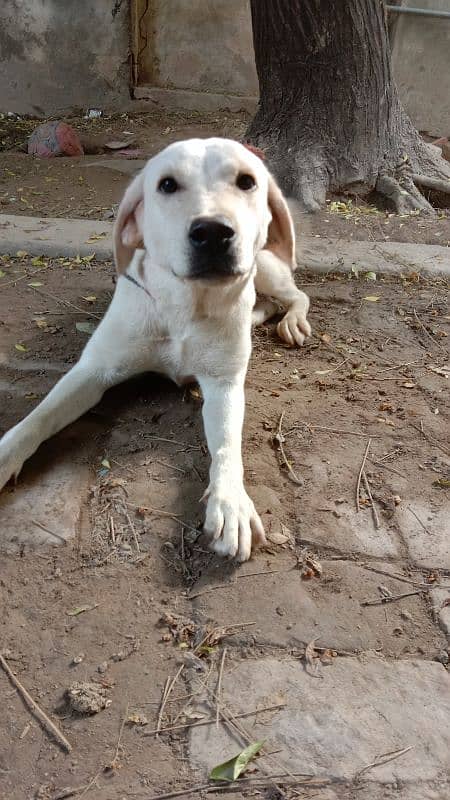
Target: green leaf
[21, 348]
[442, 483]
[106, 464]
[370, 276]
[2, 273]
[35, 283]
[85, 327]
[230, 770]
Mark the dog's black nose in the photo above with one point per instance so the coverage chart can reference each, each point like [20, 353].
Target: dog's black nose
[211, 236]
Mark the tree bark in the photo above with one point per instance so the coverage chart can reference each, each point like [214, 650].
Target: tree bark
[329, 116]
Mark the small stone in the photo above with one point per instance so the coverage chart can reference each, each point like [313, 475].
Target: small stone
[397, 499]
[78, 659]
[406, 615]
[102, 667]
[443, 657]
[87, 697]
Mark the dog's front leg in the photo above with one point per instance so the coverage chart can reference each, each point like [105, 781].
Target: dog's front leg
[231, 520]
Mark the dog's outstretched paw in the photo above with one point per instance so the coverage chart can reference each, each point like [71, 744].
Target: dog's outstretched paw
[232, 523]
[294, 328]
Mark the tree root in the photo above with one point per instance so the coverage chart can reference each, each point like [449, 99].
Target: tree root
[435, 184]
[403, 195]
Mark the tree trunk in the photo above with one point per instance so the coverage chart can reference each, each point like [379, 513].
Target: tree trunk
[329, 116]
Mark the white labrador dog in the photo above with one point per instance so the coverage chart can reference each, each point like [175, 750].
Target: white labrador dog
[200, 229]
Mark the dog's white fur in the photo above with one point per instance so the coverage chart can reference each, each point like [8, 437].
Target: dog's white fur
[187, 328]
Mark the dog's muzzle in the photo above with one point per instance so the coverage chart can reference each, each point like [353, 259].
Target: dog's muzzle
[212, 248]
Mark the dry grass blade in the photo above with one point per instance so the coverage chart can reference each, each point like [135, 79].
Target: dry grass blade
[431, 440]
[45, 721]
[376, 518]
[384, 759]
[280, 439]
[296, 779]
[201, 722]
[391, 598]
[423, 328]
[361, 470]
[219, 686]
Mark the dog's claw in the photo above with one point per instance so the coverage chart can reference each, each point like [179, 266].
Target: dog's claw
[233, 524]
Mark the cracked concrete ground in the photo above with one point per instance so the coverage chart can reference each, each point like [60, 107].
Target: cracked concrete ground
[341, 623]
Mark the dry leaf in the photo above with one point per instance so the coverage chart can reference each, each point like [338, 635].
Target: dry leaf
[21, 348]
[279, 537]
[372, 298]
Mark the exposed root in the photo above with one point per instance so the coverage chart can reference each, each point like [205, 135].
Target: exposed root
[435, 184]
[403, 195]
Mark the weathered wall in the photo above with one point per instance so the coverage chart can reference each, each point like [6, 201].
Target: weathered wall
[57, 55]
[199, 45]
[421, 62]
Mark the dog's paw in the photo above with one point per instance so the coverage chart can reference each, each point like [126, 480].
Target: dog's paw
[232, 523]
[294, 327]
[11, 460]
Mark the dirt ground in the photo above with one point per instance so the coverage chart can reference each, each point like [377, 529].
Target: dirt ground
[136, 599]
[373, 368]
[91, 186]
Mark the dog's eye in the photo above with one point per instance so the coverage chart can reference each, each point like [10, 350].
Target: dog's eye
[245, 182]
[168, 185]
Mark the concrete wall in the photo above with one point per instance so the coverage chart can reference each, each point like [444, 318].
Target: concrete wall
[57, 55]
[421, 62]
[199, 45]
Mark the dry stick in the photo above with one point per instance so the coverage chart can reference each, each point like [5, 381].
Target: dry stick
[418, 520]
[91, 783]
[430, 439]
[162, 705]
[67, 303]
[391, 598]
[280, 439]
[376, 518]
[384, 759]
[41, 716]
[314, 428]
[163, 513]
[422, 326]
[400, 366]
[47, 530]
[211, 721]
[397, 577]
[361, 470]
[231, 786]
[389, 469]
[133, 529]
[115, 762]
[219, 685]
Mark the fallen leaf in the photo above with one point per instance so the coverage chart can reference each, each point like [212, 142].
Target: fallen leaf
[85, 327]
[408, 385]
[326, 338]
[311, 659]
[41, 323]
[322, 371]
[230, 770]
[91, 298]
[2, 273]
[442, 483]
[95, 237]
[21, 348]
[35, 283]
[21, 253]
[105, 463]
[439, 370]
[372, 298]
[80, 610]
[39, 262]
[118, 145]
[279, 537]
[315, 565]
[137, 719]
[370, 276]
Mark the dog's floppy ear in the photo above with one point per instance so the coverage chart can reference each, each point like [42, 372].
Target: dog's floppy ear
[127, 234]
[281, 234]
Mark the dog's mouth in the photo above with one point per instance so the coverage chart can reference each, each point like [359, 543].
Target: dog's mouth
[219, 269]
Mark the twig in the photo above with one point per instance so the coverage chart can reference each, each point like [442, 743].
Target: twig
[400, 366]
[162, 513]
[257, 782]
[170, 683]
[430, 439]
[171, 441]
[91, 783]
[162, 704]
[384, 759]
[115, 761]
[279, 438]
[47, 530]
[390, 598]
[422, 326]
[361, 470]
[314, 428]
[212, 720]
[376, 518]
[41, 716]
[67, 303]
[389, 469]
[133, 529]
[219, 685]
[418, 520]
[395, 576]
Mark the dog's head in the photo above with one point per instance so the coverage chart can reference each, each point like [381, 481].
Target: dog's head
[204, 209]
